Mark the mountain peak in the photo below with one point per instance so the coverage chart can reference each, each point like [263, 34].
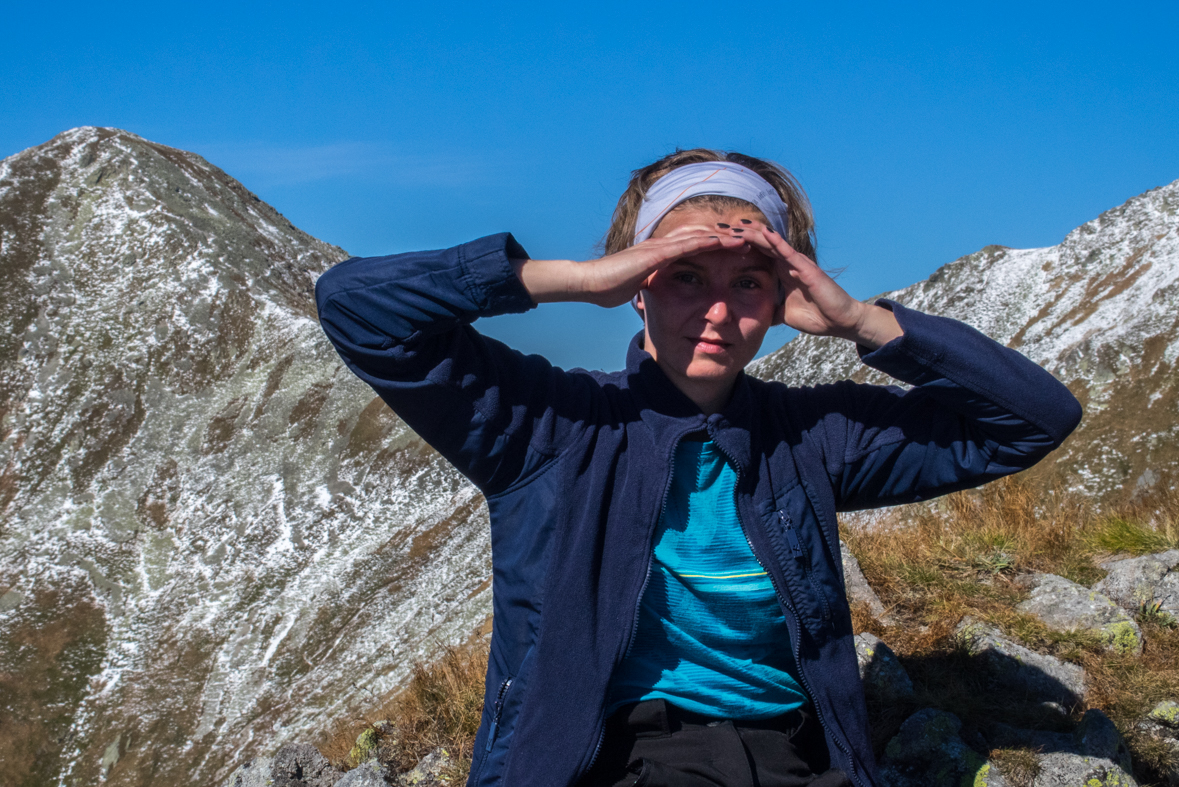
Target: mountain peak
[1099, 311]
[211, 531]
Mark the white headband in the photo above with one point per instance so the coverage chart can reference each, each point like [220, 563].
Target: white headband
[711, 177]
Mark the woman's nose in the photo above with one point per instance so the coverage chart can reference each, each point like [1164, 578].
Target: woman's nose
[719, 312]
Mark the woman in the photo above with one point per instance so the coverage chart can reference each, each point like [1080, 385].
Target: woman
[668, 592]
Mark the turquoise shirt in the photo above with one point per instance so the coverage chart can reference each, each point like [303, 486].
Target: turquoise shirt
[711, 636]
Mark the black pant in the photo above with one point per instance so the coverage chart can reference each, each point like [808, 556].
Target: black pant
[655, 744]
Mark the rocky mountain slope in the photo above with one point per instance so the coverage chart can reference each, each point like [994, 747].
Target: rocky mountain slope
[1100, 311]
[211, 534]
[214, 540]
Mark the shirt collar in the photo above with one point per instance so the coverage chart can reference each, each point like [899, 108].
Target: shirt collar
[670, 414]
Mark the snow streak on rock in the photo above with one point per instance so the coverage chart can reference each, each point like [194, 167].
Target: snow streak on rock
[211, 533]
[1100, 311]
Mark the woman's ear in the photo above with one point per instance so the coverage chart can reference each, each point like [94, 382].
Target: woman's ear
[637, 303]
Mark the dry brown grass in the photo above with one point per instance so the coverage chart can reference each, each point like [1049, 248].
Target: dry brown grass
[936, 564]
[440, 707]
[1020, 767]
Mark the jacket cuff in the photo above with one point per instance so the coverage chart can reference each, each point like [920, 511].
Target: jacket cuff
[938, 348]
[488, 275]
[916, 355]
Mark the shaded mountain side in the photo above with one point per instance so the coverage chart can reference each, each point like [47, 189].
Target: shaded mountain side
[1100, 311]
[211, 533]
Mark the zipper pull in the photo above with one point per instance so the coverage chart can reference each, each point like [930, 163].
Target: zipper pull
[499, 708]
[788, 526]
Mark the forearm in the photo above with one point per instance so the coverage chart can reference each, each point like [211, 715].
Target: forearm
[977, 411]
[1007, 394]
[549, 281]
[371, 304]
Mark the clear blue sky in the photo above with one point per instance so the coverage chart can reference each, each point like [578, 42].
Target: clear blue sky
[922, 132]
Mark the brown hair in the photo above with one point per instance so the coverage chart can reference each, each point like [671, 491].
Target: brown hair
[802, 224]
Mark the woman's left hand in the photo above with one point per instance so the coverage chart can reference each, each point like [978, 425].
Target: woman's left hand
[815, 304]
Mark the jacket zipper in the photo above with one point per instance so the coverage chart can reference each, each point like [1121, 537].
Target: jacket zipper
[796, 548]
[634, 629]
[499, 709]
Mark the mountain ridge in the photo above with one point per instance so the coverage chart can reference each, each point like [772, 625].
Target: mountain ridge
[1100, 310]
[213, 536]
[211, 531]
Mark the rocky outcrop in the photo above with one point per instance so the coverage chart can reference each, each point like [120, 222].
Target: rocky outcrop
[1150, 580]
[1094, 753]
[881, 672]
[295, 765]
[430, 772]
[367, 774]
[858, 589]
[929, 752]
[1063, 605]
[1013, 667]
[1162, 725]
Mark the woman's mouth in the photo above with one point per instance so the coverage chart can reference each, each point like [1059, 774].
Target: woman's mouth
[710, 346]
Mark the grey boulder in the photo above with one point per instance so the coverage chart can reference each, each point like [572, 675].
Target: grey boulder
[1063, 769]
[1096, 736]
[301, 765]
[1016, 668]
[252, 773]
[1062, 605]
[1162, 724]
[429, 772]
[857, 587]
[370, 773]
[880, 670]
[1094, 755]
[1150, 579]
[1165, 713]
[928, 751]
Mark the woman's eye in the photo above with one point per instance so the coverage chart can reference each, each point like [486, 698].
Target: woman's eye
[686, 277]
[749, 284]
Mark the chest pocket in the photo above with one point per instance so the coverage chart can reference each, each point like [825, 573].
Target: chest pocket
[807, 563]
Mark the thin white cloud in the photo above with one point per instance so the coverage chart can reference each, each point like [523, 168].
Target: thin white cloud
[269, 165]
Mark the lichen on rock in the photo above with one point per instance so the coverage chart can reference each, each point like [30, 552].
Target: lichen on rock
[1063, 605]
[880, 670]
[928, 751]
[1149, 579]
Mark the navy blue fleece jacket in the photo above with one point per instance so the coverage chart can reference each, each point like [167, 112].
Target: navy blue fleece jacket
[575, 466]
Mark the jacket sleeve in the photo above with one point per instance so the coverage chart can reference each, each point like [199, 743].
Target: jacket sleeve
[977, 411]
[402, 324]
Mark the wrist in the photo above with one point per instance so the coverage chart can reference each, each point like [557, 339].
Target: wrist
[548, 281]
[875, 327]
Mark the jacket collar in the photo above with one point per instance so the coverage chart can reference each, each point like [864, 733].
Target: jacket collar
[670, 414]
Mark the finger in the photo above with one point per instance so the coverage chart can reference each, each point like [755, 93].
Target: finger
[657, 253]
[686, 245]
[798, 263]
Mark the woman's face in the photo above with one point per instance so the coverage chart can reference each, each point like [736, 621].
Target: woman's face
[706, 315]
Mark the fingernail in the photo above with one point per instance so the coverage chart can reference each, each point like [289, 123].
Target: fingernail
[738, 229]
[714, 237]
[746, 221]
[769, 229]
[722, 226]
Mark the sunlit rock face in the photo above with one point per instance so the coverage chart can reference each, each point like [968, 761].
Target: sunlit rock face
[212, 537]
[1100, 311]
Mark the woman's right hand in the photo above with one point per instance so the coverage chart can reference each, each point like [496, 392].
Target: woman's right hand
[614, 279]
